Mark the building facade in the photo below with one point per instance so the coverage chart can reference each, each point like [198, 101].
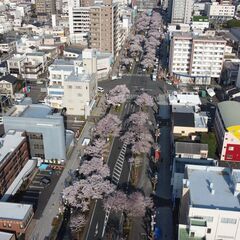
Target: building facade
[196, 56]
[45, 130]
[181, 11]
[226, 125]
[220, 11]
[46, 7]
[14, 153]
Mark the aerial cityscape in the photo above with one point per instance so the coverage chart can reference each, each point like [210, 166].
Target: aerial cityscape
[119, 120]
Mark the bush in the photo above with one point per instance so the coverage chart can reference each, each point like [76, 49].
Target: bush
[233, 23]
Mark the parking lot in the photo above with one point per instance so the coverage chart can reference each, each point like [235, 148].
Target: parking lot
[39, 190]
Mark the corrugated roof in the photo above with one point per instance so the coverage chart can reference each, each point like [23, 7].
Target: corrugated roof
[191, 148]
[230, 113]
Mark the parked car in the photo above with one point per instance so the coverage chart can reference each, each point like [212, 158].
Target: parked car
[45, 180]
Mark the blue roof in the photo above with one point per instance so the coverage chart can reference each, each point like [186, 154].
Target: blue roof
[200, 191]
[36, 111]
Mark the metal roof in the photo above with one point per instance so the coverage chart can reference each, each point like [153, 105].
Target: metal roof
[6, 236]
[14, 211]
[230, 113]
[202, 179]
[190, 147]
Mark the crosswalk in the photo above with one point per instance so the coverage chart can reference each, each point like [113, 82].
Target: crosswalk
[119, 165]
[117, 171]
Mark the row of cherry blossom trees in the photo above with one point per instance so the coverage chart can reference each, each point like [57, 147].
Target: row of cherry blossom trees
[94, 174]
[144, 41]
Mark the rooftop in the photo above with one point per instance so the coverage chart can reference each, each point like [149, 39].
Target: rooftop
[14, 211]
[204, 179]
[9, 142]
[9, 78]
[30, 111]
[6, 236]
[189, 35]
[180, 163]
[190, 147]
[185, 98]
[81, 77]
[184, 235]
[183, 119]
[200, 19]
[228, 112]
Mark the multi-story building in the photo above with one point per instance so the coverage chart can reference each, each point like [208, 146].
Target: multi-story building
[46, 7]
[181, 11]
[9, 85]
[79, 93]
[199, 58]
[220, 11]
[14, 153]
[79, 24]
[88, 62]
[210, 207]
[45, 130]
[15, 217]
[227, 122]
[102, 27]
[199, 24]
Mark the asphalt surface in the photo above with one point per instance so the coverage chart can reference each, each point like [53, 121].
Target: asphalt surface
[96, 228]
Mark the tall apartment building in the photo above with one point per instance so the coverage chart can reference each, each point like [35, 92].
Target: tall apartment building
[220, 11]
[200, 57]
[46, 7]
[181, 11]
[79, 24]
[96, 25]
[210, 207]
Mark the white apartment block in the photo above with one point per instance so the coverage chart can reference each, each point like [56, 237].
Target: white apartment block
[79, 24]
[200, 57]
[210, 207]
[181, 11]
[216, 11]
[80, 90]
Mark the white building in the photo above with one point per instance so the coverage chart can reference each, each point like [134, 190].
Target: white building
[79, 24]
[181, 11]
[210, 206]
[80, 90]
[220, 11]
[184, 99]
[199, 24]
[198, 57]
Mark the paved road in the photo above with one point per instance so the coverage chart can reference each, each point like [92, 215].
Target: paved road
[44, 224]
[96, 226]
[163, 191]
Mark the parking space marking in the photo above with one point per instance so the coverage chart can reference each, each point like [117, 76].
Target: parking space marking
[36, 187]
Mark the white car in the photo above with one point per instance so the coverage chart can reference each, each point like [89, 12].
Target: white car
[100, 89]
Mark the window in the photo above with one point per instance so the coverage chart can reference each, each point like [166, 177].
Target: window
[9, 225]
[209, 230]
[4, 224]
[231, 148]
[21, 226]
[229, 220]
[228, 156]
[79, 95]
[69, 86]
[78, 87]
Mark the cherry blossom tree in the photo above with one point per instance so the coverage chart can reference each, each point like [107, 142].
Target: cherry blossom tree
[108, 126]
[118, 95]
[97, 148]
[77, 221]
[94, 166]
[133, 205]
[147, 63]
[144, 100]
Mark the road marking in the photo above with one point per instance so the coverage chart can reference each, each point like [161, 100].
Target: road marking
[91, 219]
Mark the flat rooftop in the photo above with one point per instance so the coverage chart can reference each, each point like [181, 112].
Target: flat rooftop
[81, 77]
[183, 119]
[188, 98]
[9, 142]
[181, 163]
[14, 211]
[30, 111]
[200, 180]
[6, 236]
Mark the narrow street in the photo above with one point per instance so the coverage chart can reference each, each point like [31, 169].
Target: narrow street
[164, 217]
